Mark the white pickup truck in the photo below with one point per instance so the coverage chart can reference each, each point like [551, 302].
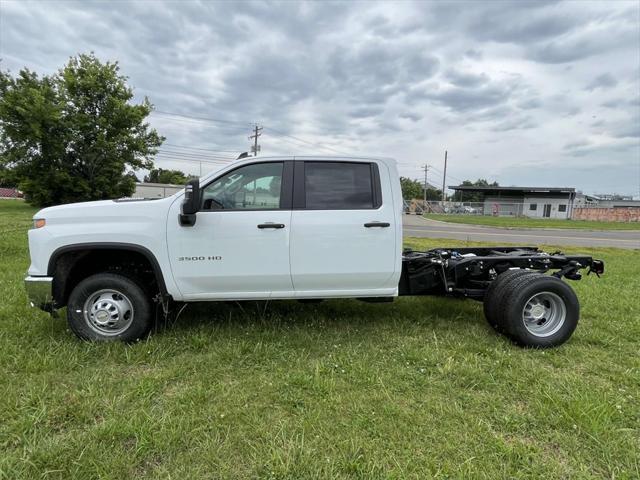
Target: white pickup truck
[279, 228]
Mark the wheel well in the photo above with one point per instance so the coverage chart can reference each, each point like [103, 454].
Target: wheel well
[72, 265]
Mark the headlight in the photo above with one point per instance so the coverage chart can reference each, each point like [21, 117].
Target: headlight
[39, 222]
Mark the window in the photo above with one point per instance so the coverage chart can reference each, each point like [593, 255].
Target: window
[338, 186]
[252, 187]
[533, 206]
[562, 208]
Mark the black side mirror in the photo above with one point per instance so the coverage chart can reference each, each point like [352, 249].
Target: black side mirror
[191, 203]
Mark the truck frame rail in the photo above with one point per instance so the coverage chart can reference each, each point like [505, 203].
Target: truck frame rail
[470, 271]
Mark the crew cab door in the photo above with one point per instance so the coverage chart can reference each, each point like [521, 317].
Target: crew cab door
[344, 231]
[239, 245]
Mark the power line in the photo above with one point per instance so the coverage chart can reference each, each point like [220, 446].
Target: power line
[202, 119]
[317, 145]
[190, 160]
[230, 122]
[202, 149]
[195, 155]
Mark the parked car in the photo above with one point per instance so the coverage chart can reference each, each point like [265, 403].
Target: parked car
[279, 228]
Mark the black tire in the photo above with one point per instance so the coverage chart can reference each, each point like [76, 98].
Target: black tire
[555, 319]
[496, 291]
[124, 306]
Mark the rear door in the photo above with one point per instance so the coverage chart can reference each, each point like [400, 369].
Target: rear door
[344, 238]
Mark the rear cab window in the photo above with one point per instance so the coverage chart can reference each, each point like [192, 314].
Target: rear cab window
[339, 186]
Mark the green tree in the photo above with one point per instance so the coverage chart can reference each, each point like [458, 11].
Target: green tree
[463, 196]
[410, 188]
[160, 175]
[434, 195]
[74, 135]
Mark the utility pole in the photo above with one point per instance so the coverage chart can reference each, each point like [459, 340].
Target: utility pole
[444, 178]
[426, 169]
[255, 148]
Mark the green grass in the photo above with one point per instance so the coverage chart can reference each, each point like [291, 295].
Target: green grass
[523, 222]
[415, 389]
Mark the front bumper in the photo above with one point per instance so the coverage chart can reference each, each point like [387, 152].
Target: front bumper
[39, 292]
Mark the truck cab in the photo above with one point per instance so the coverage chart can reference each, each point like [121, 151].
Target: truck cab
[290, 228]
[260, 228]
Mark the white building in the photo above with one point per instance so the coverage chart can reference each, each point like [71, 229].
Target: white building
[155, 190]
[537, 202]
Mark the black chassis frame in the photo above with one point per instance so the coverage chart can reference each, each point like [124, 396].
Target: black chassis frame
[469, 271]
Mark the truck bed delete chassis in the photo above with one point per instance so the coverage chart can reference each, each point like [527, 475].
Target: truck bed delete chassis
[468, 272]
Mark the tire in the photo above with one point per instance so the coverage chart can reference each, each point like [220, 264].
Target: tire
[496, 291]
[538, 311]
[108, 307]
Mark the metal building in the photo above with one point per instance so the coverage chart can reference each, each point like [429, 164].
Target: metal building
[155, 190]
[536, 202]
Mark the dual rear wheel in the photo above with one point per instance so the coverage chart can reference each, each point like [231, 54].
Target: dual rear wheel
[532, 309]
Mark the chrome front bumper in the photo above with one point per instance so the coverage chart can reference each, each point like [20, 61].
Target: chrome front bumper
[39, 292]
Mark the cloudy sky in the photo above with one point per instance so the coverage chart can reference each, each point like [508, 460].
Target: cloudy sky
[525, 93]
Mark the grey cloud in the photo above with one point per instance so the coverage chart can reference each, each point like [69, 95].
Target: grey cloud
[584, 44]
[603, 150]
[576, 144]
[466, 79]
[604, 81]
[516, 123]
[627, 128]
[473, 53]
[463, 99]
[504, 26]
[356, 76]
[530, 103]
[414, 117]
[367, 111]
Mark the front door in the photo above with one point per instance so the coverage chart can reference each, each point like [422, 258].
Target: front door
[239, 245]
[344, 237]
[547, 210]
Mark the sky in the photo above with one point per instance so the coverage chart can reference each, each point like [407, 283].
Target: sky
[540, 93]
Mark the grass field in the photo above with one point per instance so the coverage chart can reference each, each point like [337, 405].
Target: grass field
[415, 389]
[523, 222]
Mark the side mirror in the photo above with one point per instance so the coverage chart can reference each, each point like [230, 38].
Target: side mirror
[191, 203]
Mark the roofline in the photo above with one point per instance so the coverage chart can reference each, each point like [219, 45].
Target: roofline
[473, 188]
[152, 184]
[328, 158]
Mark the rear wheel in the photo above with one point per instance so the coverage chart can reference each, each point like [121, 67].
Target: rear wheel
[539, 311]
[108, 307]
[497, 290]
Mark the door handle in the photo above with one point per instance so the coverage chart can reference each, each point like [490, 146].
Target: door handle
[270, 225]
[377, 224]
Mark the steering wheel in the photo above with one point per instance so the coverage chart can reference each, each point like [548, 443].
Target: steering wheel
[213, 204]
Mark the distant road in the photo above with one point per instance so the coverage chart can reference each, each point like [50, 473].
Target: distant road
[417, 226]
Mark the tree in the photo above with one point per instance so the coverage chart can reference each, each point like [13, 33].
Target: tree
[74, 135]
[160, 175]
[434, 195]
[463, 196]
[410, 188]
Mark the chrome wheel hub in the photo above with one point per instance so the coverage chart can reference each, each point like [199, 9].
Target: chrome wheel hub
[108, 312]
[544, 314]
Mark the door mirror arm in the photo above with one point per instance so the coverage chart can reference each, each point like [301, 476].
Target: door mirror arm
[190, 204]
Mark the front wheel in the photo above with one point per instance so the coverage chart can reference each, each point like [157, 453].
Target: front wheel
[539, 311]
[108, 307]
